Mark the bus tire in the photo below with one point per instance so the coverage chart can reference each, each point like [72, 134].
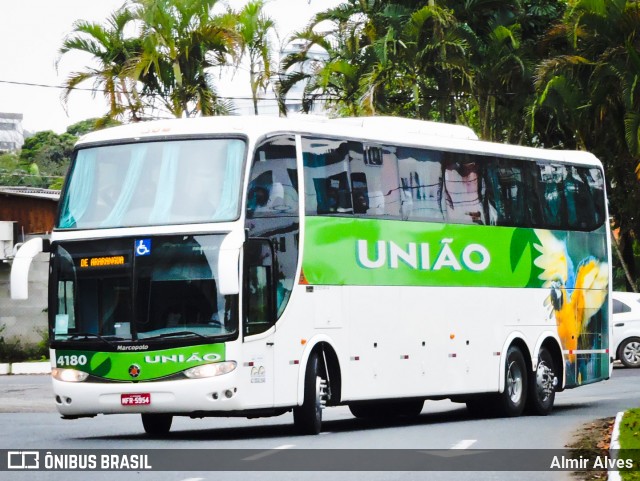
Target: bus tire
[512, 400]
[542, 391]
[308, 417]
[156, 424]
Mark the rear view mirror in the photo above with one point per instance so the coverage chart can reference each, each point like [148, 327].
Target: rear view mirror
[229, 263]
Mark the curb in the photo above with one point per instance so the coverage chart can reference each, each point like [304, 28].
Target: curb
[614, 447]
[43, 367]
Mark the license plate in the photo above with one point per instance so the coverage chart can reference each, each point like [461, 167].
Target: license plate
[135, 399]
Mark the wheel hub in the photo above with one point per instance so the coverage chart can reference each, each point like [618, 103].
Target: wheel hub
[631, 352]
[514, 383]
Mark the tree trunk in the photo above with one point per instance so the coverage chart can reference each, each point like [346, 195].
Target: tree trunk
[625, 266]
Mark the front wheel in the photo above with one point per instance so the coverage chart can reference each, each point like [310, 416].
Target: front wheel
[308, 417]
[630, 352]
[156, 424]
[512, 400]
[542, 385]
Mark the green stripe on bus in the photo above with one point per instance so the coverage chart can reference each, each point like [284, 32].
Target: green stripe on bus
[371, 252]
[139, 365]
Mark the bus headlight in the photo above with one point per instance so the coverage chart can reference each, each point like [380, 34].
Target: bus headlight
[69, 375]
[210, 370]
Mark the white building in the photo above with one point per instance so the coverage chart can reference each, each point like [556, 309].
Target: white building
[11, 132]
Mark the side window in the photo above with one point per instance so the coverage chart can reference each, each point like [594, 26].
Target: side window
[595, 180]
[273, 185]
[508, 199]
[422, 184]
[258, 285]
[347, 177]
[580, 206]
[620, 307]
[374, 182]
[551, 187]
[532, 194]
[326, 175]
[273, 215]
[464, 189]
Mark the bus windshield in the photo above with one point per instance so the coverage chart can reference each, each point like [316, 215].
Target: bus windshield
[153, 183]
[139, 288]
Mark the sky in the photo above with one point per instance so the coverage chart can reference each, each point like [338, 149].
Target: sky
[32, 31]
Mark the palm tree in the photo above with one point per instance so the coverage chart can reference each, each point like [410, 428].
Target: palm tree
[358, 52]
[438, 56]
[181, 41]
[591, 90]
[254, 28]
[111, 51]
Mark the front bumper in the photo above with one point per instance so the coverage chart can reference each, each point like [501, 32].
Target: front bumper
[181, 396]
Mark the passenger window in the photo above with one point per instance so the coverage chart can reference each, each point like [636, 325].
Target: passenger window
[326, 165]
[551, 186]
[580, 206]
[422, 184]
[346, 177]
[374, 182]
[272, 212]
[595, 181]
[508, 199]
[273, 185]
[464, 190]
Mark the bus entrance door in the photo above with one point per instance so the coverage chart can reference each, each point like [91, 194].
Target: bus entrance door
[259, 319]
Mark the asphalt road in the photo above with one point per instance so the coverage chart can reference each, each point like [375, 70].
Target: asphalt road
[28, 420]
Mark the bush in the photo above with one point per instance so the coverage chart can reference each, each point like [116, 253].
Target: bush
[14, 350]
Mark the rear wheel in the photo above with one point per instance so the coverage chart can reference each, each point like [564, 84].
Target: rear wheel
[542, 385]
[512, 400]
[308, 417]
[157, 424]
[629, 353]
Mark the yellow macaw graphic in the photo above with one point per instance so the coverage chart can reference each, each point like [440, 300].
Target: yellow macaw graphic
[576, 294]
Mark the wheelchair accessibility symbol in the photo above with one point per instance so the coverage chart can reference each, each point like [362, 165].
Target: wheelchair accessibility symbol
[143, 247]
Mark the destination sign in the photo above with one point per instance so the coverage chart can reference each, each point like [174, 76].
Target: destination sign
[108, 261]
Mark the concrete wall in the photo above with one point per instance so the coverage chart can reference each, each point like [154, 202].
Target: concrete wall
[25, 319]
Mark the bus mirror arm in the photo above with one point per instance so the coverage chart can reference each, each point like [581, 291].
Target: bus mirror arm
[229, 263]
[20, 266]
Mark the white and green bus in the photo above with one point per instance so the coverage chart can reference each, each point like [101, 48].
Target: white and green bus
[250, 266]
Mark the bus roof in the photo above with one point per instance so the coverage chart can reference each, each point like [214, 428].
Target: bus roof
[396, 130]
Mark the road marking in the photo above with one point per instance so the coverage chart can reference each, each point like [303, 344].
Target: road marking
[464, 444]
[264, 454]
[193, 479]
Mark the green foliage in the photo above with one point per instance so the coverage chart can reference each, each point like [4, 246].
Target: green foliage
[545, 73]
[630, 443]
[89, 125]
[14, 350]
[43, 161]
[454, 61]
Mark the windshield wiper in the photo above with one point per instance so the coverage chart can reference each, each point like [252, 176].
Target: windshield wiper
[174, 334]
[88, 335]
